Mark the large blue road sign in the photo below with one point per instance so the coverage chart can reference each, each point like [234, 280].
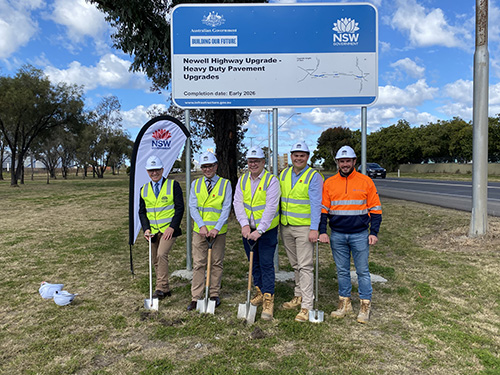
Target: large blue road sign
[274, 55]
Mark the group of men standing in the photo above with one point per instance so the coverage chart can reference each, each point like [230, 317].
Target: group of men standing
[298, 202]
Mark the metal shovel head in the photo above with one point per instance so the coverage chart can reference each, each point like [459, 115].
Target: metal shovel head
[247, 312]
[151, 304]
[205, 307]
[316, 316]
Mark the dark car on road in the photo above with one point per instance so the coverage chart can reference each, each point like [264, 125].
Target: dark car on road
[374, 170]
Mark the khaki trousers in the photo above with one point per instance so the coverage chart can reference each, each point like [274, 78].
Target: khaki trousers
[200, 257]
[159, 254]
[301, 256]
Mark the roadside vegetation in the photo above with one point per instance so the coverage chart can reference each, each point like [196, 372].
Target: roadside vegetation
[438, 312]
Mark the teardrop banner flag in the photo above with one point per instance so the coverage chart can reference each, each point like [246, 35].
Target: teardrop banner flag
[164, 137]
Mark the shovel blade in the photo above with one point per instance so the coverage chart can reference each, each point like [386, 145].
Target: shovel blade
[247, 312]
[205, 307]
[151, 304]
[316, 316]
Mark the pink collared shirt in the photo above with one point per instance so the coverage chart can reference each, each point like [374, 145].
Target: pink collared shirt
[272, 201]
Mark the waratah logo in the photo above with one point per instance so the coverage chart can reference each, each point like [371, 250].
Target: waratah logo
[161, 139]
[213, 19]
[346, 32]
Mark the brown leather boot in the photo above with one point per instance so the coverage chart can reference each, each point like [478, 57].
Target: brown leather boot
[258, 298]
[267, 307]
[364, 311]
[295, 302]
[344, 308]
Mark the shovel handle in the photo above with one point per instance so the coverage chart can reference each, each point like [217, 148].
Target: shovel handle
[209, 262]
[250, 268]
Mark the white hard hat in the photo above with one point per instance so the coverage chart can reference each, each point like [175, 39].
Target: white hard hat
[207, 158]
[63, 297]
[47, 290]
[154, 162]
[345, 152]
[255, 152]
[300, 146]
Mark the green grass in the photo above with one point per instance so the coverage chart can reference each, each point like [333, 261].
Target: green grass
[438, 313]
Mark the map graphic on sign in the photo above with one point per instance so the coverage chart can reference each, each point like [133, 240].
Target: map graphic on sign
[317, 71]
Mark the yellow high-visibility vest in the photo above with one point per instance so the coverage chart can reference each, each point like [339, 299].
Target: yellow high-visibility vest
[210, 206]
[160, 211]
[295, 204]
[255, 205]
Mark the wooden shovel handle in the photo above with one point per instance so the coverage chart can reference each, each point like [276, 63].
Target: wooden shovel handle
[250, 267]
[209, 262]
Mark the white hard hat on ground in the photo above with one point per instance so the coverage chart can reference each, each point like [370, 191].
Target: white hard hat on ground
[207, 158]
[154, 162]
[255, 152]
[47, 290]
[63, 297]
[299, 146]
[345, 152]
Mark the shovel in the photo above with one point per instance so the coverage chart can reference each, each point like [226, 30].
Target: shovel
[151, 303]
[206, 305]
[246, 310]
[316, 316]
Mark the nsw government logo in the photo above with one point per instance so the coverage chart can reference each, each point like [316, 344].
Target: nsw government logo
[213, 19]
[346, 35]
[161, 139]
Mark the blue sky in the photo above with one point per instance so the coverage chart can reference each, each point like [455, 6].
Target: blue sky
[426, 50]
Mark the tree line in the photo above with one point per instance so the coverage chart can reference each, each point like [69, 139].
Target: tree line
[447, 141]
[47, 122]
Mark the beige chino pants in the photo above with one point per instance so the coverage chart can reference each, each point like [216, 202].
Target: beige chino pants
[300, 253]
[159, 254]
[200, 257]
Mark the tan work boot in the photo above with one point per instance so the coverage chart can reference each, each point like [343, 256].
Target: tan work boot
[364, 311]
[302, 316]
[267, 307]
[295, 302]
[344, 308]
[258, 298]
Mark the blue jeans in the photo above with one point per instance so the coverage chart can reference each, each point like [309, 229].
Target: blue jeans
[343, 245]
[263, 260]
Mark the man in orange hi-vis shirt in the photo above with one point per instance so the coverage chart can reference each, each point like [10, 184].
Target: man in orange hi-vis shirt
[351, 202]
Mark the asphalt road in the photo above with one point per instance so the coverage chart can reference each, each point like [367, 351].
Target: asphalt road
[450, 194]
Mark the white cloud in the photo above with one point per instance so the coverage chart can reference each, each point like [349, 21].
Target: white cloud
[409, 67]
[326, 118]
[110, 72]
[16, 25]
[460, 91]
[135, 118]
[427, 27]
[412, 95]
[80, 18]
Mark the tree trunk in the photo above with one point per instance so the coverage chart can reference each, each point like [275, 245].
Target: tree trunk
[226, 144]
[13, 170]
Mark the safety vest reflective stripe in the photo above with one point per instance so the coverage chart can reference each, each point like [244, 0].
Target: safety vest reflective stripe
[159, 210]
[296, 201]
[348, 202]
[348, 212]
[375, 208]
[210, 205]
[255, 205]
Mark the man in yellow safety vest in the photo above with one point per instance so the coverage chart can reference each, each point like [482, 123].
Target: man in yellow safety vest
[161, 207]
[301, 191]
[210, 205]
[256, 201]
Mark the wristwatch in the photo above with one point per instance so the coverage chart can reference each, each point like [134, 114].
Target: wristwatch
[260, 232]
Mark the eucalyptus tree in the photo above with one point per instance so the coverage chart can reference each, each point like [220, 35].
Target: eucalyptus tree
[29, 105]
